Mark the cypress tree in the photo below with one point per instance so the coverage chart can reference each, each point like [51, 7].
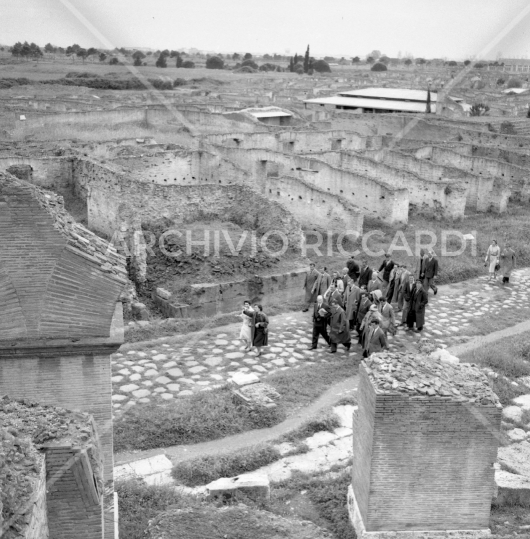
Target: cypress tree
[306, 60]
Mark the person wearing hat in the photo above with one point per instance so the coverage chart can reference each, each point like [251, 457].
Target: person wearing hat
[388, 322]
[375, 339]
[408, 288]
[376, 283]
[353, 296]
[418, 301]
[365, 275]
[386, 267]
[430, 271]
[362, 310]
[404, 279]
[339, 329]
[507, 262]
[372, 314]
[309, 286]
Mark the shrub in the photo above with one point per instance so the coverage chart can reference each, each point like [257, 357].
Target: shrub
[514, 83]
[188, 64]
[204, 470]
[249, 63]
[269, 67]
[161, 60]
[379, 67]
[161, 84]
[214, 62]
[479, 109]
[321, 66]
[179, 82]
[114, 61]
[246, 69]
[500, 81]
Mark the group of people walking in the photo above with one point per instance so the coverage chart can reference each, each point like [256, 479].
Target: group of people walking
[367, 301]
[371, 303]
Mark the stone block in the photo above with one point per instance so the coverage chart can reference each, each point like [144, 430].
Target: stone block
[254, 485]
[512, 413]
[512, 489]
[515, 458]
[242, 379]
[163, 293]
[523, 401]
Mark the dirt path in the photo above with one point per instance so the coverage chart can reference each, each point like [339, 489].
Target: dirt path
[245, 439]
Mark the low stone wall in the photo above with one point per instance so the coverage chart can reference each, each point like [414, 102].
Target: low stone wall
[209, 299]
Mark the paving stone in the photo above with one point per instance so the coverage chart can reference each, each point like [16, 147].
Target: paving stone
[128, 388]
[117, 398]
[185, 393]
[197, 369]
[221, 342]
[163, 380]
[141, 393]
[147, 383]
[173, 387]
[167, 396]
[191, 363]
[125, 372]
[144, 400]
[175, 373]
[151, 372]
[116, 379]
[169, 364]
[213, 361]
[135, 377]
[234, 355]
[160, 390]
[159, 357]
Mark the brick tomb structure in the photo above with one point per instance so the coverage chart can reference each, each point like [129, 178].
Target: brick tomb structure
[51, 472]
[425, 442]
[60, 320]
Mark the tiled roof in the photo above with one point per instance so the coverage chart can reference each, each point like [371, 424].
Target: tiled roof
[80, 239]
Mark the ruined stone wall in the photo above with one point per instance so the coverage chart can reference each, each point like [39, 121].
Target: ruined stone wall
[377, 198]
[53, 173]
[440, 198]
[516, 177]
[213, 298]
[297, 141]
[314, 207]
[483, 193]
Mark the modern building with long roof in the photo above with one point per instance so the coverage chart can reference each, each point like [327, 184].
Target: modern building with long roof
[381, 100]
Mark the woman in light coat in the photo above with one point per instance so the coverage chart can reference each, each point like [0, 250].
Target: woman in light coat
[493, 257]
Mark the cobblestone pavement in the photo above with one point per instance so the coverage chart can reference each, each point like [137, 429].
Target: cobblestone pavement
[167, 372]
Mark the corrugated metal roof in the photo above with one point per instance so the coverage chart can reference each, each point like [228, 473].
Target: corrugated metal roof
[400, 94]
[269, 113]
[379, 104]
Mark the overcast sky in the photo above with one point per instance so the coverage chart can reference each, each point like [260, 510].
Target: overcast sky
[429, 28]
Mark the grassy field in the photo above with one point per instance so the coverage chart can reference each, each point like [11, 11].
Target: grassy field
[510, 359]
[210, 415]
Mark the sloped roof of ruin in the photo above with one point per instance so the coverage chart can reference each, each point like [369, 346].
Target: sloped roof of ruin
[370, 103]
[417, 375]
[57, 279]
[399, 94]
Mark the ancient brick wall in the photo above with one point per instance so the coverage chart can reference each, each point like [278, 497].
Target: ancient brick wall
[440, 198]
[37, 517]
[516, 176]
[53, 173]
[74, 510]
[376, 197]
[429, 459]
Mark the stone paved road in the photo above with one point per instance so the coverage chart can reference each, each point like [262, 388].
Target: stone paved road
[167, 372]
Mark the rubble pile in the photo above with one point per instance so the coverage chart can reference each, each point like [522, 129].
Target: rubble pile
[419, 375]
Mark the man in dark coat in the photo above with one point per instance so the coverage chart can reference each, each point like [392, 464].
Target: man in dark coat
[339, 331]
[386, 267]
[323, 282]
[309, 286]
[418, 301]
[408, 288]
[365, 275]
[321, 315]
[375, 339]
[353, 269]
[364, 306]
[430, 271]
